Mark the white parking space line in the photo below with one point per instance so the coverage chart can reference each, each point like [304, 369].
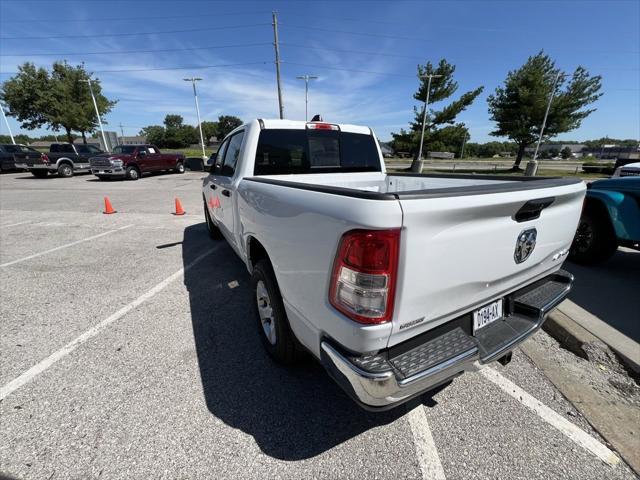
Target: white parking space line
[426, 450]
[579, 436]
[14, 224]
[40, 367]
[64, 246]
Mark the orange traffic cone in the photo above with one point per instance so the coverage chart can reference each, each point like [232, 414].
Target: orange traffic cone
[108, 209]
[179, 209]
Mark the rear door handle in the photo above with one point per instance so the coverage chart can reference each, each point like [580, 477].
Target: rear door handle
[213, 187]
[226, 193]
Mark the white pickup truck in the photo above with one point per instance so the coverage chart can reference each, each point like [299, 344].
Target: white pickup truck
[397, 283]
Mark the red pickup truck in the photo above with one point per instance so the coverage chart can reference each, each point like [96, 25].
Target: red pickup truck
[132, 161]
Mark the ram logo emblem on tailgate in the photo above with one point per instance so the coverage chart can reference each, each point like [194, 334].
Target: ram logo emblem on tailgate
[525, 244]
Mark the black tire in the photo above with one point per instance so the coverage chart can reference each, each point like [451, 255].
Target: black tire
[179, 167]
[39, 173]
[282, 347]
[214, 231]
[65, 170]
[595, 240]
[132, 173]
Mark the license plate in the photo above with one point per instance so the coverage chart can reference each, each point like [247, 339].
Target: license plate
[486, 315]
[100, 171]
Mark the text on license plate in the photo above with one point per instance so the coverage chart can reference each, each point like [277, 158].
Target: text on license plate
[487, 314]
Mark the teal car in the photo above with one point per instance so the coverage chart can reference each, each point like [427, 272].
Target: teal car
[610, 218]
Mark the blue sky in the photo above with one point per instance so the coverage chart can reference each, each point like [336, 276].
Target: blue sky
[365, 54]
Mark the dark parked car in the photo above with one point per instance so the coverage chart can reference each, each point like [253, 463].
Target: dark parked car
[65, 159]
[132, 161]
[10, 155]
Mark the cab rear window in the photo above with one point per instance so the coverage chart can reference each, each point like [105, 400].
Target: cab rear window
[282, 152]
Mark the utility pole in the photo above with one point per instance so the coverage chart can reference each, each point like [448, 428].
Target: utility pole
[306, 79]
[121, 134]
[464, 140]
[277, 47]
[7, 124]
[95, 104]
[532, 165]
[417, 165]
[193, 80]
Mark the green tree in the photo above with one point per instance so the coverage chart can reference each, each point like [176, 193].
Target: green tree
[209, 129]
[155, 134]
[566, 153]
[59, 99]
[227, 123]
[437, 120]
[518, 107]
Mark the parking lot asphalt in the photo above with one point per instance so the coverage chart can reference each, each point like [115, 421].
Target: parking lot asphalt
[129, 350]
[608, 290]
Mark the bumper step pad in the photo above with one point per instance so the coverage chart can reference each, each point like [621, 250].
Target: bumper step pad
[432, 353]
[496, 339]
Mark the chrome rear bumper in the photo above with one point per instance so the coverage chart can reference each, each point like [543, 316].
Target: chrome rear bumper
[378, 382]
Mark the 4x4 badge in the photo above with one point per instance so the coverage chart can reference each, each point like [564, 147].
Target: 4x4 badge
[525, 244]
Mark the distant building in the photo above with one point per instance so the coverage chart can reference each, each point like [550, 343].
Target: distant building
[614, 152]
[441, 155]
[134, 140]
[577, 149]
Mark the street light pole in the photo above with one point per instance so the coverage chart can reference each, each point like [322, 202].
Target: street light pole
[417, 166]
[532, 165]
[7, 124]
[306, 79]
[95, 104]
[193, 80]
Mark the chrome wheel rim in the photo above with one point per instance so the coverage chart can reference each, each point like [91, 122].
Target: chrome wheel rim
[134, 174]
[181, 168]
[266, 312]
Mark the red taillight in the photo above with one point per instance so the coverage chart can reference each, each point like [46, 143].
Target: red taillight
[44, 158]
[322, 126]
[363, 281]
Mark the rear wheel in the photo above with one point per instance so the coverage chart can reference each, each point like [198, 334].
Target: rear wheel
[132, 173]
[39, 173]
[179, 167]
[273, 325]
[595, 241]
[65, 170]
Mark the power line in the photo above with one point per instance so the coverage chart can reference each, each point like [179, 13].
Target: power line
[346, 32]
[153, 69]
[359, 52]
[132, 34]
[349, 69]
[132, 18]
[116, 52]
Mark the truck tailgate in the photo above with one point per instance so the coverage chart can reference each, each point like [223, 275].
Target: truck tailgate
[458, 252]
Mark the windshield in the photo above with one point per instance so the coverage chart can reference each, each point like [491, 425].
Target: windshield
[125, 149]
[282, 151]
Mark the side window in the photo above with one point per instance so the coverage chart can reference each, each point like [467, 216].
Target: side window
[93, 149]
[232, 154]
[54, 148]
[142, 150]
[220, 158]
[82, 149]
[67, 148]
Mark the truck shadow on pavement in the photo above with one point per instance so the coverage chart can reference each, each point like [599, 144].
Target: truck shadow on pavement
[609, 291]
[292, 413]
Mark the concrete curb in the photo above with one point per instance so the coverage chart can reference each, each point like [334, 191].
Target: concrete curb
[574, 327]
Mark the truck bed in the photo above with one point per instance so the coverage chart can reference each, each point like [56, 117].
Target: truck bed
[392, 186]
